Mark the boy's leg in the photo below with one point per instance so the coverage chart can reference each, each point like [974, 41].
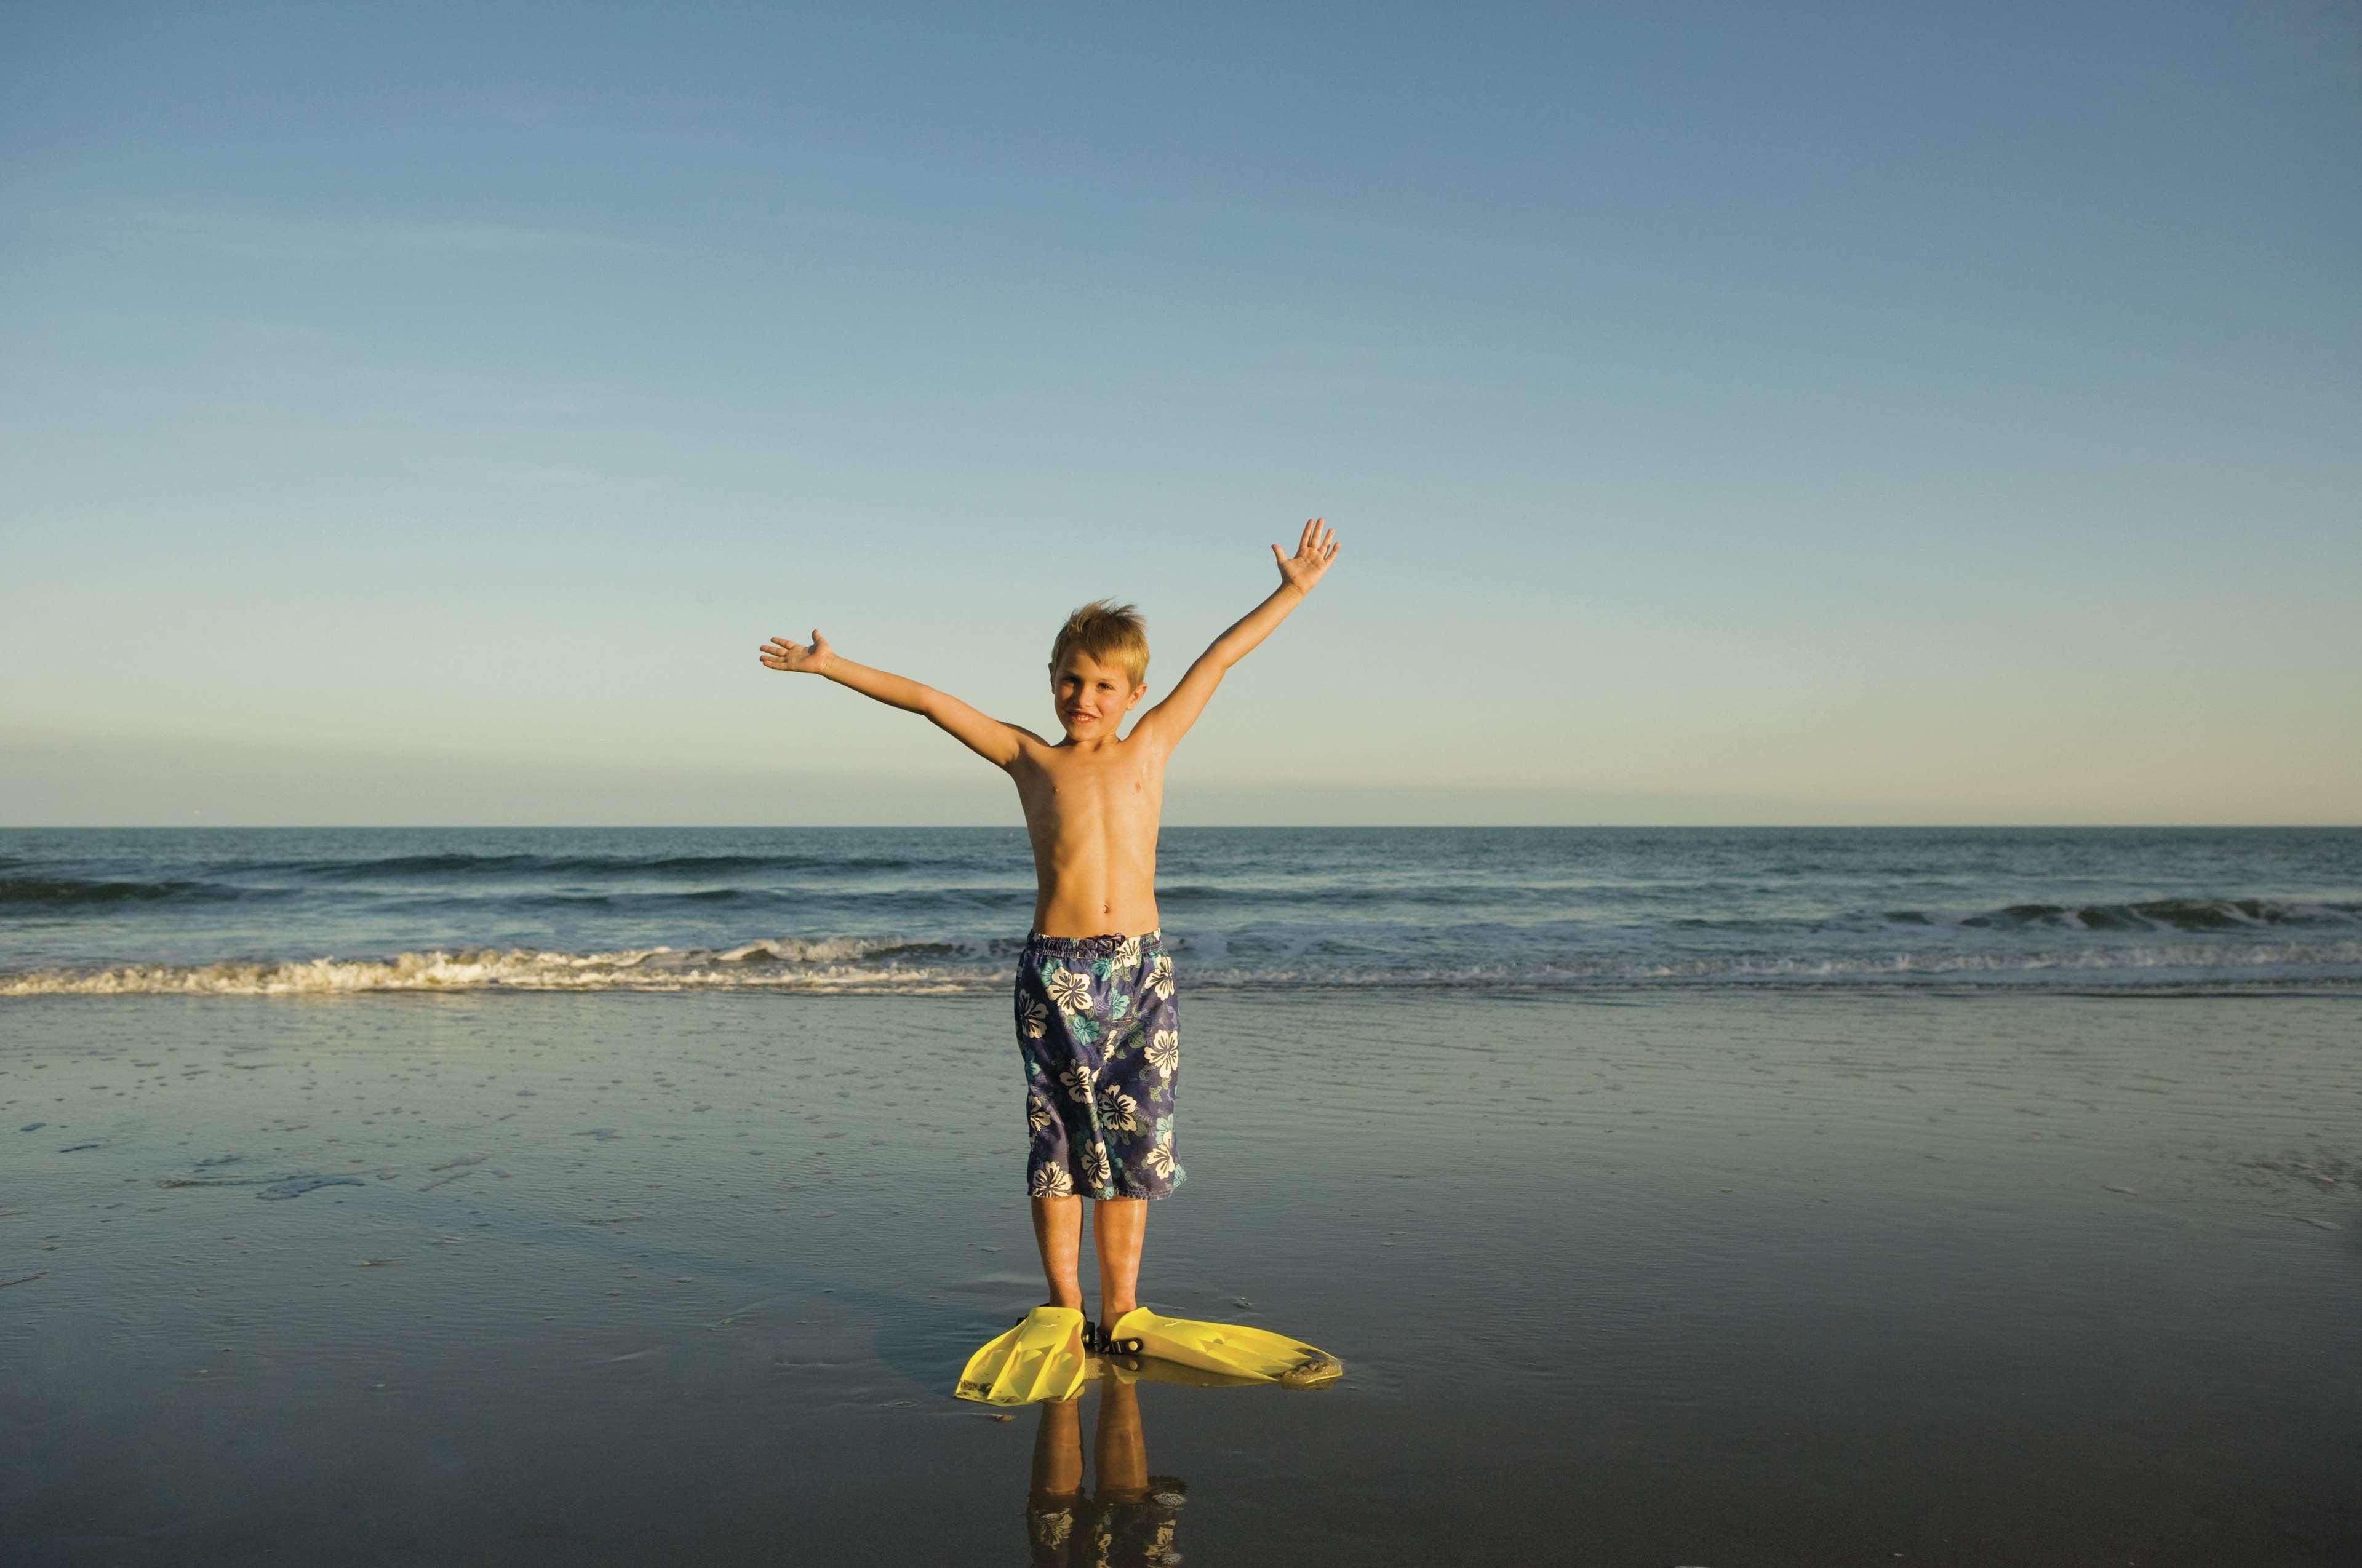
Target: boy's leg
[1055, 1497]
[1119, 1232]
[1120, 1443]
[1058, 1448]
[1058, 1231]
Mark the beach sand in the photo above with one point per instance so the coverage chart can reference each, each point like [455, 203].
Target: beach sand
[1706, 1279]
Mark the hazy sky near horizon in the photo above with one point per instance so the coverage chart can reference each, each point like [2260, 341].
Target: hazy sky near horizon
[1926, 414]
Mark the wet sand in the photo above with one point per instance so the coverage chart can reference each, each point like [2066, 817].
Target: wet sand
[1688, 1279]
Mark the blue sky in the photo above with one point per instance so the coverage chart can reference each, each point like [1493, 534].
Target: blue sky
[1738, 413]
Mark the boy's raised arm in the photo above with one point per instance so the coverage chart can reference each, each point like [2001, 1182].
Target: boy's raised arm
[1170, 720]
[996, 743]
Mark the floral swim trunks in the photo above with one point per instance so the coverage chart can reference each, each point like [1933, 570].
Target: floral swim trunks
[1101, 1038]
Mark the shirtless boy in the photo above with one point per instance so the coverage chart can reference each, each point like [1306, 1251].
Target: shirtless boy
[1096, 1022]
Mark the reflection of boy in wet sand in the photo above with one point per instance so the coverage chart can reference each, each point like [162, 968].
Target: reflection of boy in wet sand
[1097, 1023]
[1130, 1519]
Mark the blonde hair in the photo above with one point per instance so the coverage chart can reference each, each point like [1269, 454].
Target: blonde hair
[1110, 632]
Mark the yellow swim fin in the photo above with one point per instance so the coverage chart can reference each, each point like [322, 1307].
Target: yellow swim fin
[1230, 1349]
[1041, 1358]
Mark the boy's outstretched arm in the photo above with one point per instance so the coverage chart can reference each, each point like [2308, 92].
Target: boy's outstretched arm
[1170, 720]
[996, 743]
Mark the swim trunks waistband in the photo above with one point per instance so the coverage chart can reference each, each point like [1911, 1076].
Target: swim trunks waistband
[1092, 946]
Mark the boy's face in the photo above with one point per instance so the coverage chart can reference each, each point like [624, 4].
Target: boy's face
[1091, 697]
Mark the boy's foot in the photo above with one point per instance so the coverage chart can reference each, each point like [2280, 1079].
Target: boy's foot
[1101, 1343]
[1042, 1358]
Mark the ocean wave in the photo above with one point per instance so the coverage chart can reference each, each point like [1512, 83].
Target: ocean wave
[651, 969]
[844, 949]
[2172, 914]
[887, 900]
[28, 894]
[899, 966]
[399, 867]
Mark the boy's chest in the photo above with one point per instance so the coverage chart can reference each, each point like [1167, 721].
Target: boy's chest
[1099, 786]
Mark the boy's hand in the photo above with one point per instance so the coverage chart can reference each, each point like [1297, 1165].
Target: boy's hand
[798, 658]
[1314, 551]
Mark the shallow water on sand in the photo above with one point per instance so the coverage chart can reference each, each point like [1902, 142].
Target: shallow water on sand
[1688, 1279]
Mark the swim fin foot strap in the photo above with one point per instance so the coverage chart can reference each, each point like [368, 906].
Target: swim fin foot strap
[1231, 1349]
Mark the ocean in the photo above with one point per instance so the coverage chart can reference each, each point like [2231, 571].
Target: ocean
[942, 911]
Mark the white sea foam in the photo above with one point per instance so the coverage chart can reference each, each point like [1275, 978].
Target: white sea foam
[646, 970]
[883, 965]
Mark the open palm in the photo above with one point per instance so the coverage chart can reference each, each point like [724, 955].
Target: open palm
[1314, 551]
[796, 657]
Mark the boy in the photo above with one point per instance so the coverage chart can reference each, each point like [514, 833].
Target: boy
[1096, 1019]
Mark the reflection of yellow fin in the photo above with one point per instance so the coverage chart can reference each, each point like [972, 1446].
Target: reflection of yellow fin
[1230, 1349]
[1041, 1358]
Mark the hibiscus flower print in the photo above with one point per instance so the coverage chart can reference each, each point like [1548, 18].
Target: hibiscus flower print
[1052, 1528]
[1081, 1084]
[1070, 990]
[1095, 1166]
[1032, 1017]
[1052, 1181]
[1038, 1116]
[1159, 977]
[1128, 954]
[1160, 1155]
[1164, 1051]
[1117, 1110]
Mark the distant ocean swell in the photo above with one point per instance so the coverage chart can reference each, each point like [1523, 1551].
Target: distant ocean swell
[851, 966]
[34, 896]
[408, 866]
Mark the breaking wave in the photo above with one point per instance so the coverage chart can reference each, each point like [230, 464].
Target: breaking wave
[844, 964]
[2172, 914]
[889, 966]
